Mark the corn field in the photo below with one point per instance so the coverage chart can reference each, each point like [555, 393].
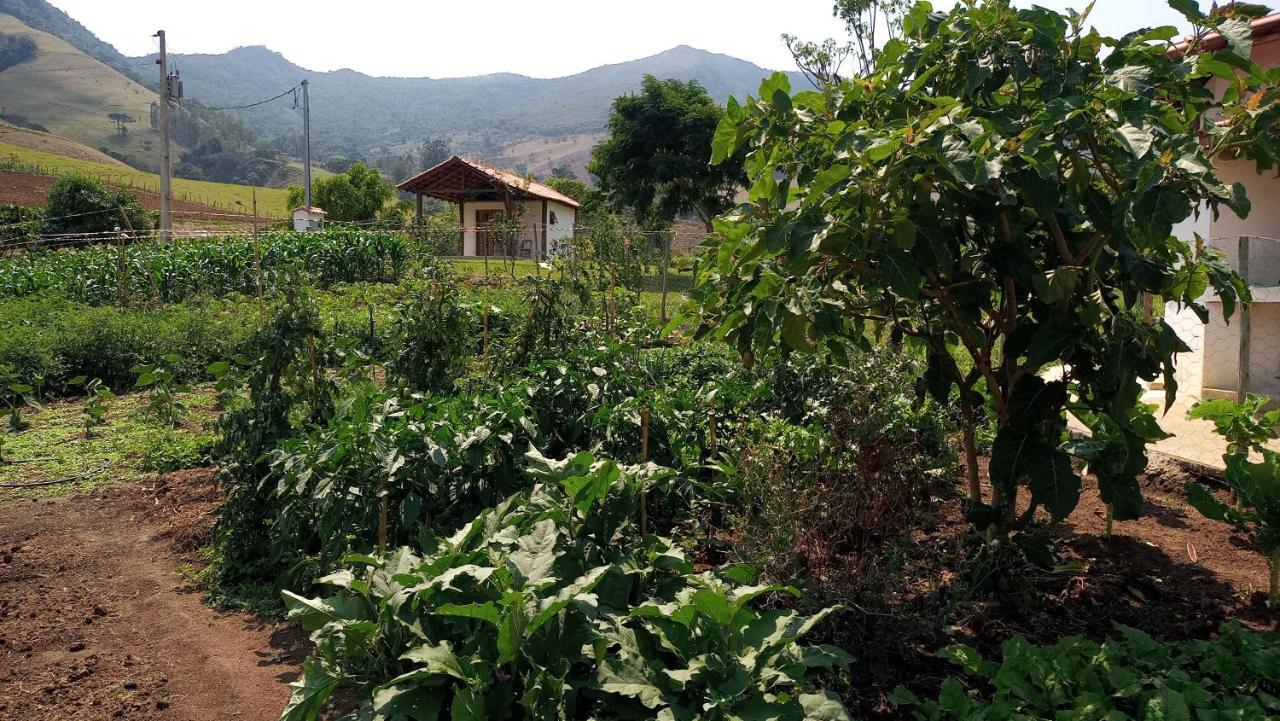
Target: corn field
[171, 272]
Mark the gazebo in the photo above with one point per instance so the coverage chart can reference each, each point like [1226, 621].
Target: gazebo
[483, 194]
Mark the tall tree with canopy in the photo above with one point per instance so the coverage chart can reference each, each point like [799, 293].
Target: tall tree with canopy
[999, 194]
[654, 162]
[356, 195]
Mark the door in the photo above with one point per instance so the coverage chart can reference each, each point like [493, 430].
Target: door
[486, 243]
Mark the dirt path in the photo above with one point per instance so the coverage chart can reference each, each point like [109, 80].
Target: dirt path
[95, 623]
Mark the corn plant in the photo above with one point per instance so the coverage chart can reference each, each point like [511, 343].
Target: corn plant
[1254, 509]
[163, 389]
[96, 396]
[214, 266]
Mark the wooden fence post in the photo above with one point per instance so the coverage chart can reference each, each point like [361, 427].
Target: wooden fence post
[1242, 383]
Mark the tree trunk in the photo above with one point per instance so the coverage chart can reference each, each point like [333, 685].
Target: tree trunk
[1273, 599]
[971, 458]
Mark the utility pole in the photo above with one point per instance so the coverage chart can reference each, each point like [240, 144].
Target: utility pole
[166, 193]
[306, 143]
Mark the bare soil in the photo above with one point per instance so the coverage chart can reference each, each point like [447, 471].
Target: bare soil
[1171, 573]
[96, 623]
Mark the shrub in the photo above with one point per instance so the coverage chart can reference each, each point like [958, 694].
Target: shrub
[78, 204]
[435, 334]
[845, 466]
[56, 340]
[1255, 507]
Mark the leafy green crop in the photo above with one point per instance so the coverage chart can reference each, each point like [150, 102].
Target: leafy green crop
[552, 606]
[1132, 678]
[1255, 507]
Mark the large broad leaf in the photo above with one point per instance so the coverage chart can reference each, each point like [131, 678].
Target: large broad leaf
[420, 703]
[535, 552]
[1137, 140]
[627, 677]
[1238, 32]
[309, 692]
[1054, 483]
[468, 704]
[823, 707]
[1131, 78]
[437, 659]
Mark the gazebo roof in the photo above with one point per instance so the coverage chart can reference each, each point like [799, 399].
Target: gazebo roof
[458, 179]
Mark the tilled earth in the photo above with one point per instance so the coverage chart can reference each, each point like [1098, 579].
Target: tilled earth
[95, 622]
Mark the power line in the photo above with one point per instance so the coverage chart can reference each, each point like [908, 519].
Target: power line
[250, 105]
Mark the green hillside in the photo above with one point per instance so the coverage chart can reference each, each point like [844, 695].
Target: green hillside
[271, 201]
[71, 94]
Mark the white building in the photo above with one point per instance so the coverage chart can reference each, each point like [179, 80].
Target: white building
[1212, 369]
[484, 194]
[308, 218]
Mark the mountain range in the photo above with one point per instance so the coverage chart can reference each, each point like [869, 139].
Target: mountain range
[517, 119]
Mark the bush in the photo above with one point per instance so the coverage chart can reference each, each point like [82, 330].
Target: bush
[844, 467]
[15, 49]
[20, 225]
[1234, 676]
[56, 340]
[79, 204]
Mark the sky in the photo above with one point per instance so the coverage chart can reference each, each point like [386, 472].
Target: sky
[542, 38]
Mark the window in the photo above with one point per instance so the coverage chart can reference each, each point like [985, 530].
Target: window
[553, 218]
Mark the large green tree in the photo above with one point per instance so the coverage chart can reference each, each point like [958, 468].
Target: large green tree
[356, 195]
[654, 162]
[1000, 193]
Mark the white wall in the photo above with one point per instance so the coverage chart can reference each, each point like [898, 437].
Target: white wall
[566, 218]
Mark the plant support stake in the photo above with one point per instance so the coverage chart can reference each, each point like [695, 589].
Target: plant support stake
[644, 457]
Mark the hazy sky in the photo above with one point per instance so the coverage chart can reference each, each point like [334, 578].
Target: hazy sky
[541, 38]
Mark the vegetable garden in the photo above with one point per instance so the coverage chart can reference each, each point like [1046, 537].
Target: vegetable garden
[529, 499]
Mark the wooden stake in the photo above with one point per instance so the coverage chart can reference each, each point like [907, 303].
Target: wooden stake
[644, 457]
[122, 263]
[382, 515]
[484, 343]
[257, 260]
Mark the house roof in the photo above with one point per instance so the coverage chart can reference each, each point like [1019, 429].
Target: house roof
[309, 209]
[1262, 27]
[459, 179]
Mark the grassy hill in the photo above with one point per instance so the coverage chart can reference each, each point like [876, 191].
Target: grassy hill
[71, 93]
[48, 143]
[220, 195]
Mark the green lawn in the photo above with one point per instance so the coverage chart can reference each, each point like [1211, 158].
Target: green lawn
[650, 294]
